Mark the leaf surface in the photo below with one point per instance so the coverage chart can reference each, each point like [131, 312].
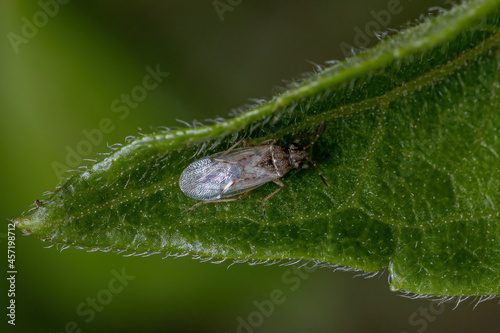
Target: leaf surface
[410, 151]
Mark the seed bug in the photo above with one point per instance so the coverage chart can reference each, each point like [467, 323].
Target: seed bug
[237, 171]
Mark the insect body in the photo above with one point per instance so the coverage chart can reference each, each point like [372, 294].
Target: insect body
[237, 171]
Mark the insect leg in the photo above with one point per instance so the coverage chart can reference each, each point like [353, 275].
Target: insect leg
[242, 140]
[245, 144]
[317, 170]
[241, 196]
[320, 129]
[273, 141]
[281, 185]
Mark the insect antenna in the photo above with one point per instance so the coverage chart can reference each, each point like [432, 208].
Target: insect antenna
[320, 129]
[317, 170]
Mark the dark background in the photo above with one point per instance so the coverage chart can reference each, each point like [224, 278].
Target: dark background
[63, 80]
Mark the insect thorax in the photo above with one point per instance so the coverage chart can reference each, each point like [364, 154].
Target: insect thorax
[281, 160]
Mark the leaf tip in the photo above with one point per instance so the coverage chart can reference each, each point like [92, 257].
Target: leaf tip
[29, 224]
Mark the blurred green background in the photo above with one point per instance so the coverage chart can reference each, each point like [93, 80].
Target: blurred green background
[63, 79]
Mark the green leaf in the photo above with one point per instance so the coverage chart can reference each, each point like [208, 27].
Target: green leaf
[409, 150]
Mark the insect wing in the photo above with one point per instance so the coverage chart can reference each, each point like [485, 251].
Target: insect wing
[253, 174]
[249, 179]
[243, 157]
[206, 179]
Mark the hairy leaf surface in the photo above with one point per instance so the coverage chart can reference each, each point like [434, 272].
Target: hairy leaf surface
[410, 151]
